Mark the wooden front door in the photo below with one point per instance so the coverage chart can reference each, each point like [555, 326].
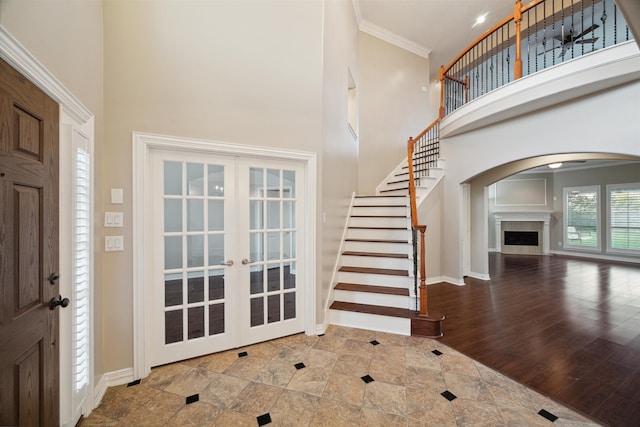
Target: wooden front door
[29, 354]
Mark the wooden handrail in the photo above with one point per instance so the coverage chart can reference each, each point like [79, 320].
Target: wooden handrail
[414, 217]
[486, 34]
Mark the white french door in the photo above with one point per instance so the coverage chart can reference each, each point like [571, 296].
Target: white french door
[224, 260]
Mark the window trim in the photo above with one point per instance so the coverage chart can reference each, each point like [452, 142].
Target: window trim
[609, 249]
[565, 241]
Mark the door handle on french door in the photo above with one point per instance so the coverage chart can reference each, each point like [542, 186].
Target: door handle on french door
[227, 263]
[247, 261]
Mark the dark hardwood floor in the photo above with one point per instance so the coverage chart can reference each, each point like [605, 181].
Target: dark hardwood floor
[566, 327]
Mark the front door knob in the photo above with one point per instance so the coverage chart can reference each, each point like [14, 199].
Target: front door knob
[59, 301]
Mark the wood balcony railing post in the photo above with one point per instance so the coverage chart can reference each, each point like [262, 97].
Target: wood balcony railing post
[442, 83]
[517, 18]
[423, 273]
[412, 184]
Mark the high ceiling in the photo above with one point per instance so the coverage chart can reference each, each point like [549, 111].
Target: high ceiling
[439, 29]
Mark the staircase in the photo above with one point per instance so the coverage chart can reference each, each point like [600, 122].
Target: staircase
[374, 283]
[375, 277]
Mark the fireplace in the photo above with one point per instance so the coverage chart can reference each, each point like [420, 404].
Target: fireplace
[522, 232]
[521, 238]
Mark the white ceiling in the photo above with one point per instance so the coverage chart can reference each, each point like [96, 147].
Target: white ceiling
[437, 29]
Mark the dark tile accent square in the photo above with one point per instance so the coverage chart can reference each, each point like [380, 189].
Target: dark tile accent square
[299, 365]
[243, 354]
[136, 382]
[437, 352]
[264, 419]
[193, 398]
[374, 342]
[448, 395]
[367, 379]
[548, 415]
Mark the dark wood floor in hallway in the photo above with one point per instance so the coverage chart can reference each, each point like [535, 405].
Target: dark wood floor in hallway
[566, 327]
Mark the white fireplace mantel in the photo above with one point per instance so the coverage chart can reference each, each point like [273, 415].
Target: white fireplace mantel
[543, 216]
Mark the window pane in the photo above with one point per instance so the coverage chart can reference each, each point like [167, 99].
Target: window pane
[172, 289]
[195, 179]
[289, 275]
[256, 182]
[195, 215]
[195, 325]
[195, 251]
[273, 277]
[216, 180]
[172, 252]
[216, 284]
[289, 245]
[216, 249]
[582, 217]
[273, 214]
[172, 178]
[273, 183]
[216, 319]
[256, 251]
[195, 286]
[257, 311]
[289, 214]
[172, 326]
[624, 217]
[172, 215]
[256, 279]
[290, 305]
[273, 308]
[273, 245]
[216, 215]
[289, 184]
[256, 207]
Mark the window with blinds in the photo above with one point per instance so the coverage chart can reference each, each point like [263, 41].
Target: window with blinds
[582, 217]
[624, 217]
[82, 271]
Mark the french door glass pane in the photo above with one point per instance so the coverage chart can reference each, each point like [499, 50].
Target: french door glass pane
[272, 233]
[194, 222]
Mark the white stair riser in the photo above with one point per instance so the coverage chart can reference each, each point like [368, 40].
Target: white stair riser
[378, 222]
[395, 192]
[392, 248]
[377, 262]
[374, 322]
[375, 279]
[371, 298]
[371, 234]
[359, 201]
[380, 210]
[436, 172]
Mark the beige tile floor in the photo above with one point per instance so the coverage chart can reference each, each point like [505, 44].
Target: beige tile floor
[408, 379]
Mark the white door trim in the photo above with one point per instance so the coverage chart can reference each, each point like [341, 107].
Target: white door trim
[143, 143]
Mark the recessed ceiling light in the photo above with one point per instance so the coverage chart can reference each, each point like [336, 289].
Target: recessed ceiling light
[480, 19]
[554, 165]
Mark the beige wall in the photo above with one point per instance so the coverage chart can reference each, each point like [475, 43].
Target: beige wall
[339, 147]
[247, 72]
[66, 37]
[393, 107]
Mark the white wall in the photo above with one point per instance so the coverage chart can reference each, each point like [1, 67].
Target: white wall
[603, 122]
[393, 107]
[339, 146]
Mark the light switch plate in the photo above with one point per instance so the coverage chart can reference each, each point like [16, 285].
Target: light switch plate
[114, 243]
[117, 196]
[114, 219]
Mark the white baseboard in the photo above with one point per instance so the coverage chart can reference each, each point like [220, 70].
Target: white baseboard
[453, 280]
[634, 260]
[479, 276]
[111, 379]
[322, 327]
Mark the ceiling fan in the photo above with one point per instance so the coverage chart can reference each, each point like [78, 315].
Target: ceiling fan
[570, 38]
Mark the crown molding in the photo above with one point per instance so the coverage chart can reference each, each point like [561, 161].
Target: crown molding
[391, 37]
[22, 60]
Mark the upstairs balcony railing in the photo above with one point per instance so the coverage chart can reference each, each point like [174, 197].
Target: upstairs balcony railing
[536, 36]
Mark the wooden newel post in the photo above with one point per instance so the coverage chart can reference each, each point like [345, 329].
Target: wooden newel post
[517, 18]
[423, 273]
